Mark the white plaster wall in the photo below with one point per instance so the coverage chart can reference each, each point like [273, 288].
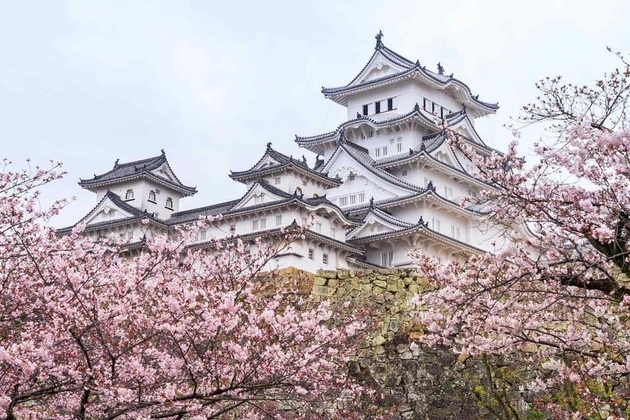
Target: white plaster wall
[141, 188]
[406, 94]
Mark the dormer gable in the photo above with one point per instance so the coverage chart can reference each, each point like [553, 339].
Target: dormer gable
[377, 221]
[156, 170]
[260, 193]
[380, 65]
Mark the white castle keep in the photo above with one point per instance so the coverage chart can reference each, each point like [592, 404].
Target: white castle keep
[385, 181]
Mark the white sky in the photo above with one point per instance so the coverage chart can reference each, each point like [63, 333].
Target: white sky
[86, 82]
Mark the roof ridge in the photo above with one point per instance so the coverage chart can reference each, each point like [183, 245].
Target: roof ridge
[209, 207]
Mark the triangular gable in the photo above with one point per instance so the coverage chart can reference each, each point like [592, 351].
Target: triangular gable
[165, 171]
[344, 165]
[106, 211]
[379, 65]
[375, 223]
[266, 161]
[465, 127]
[445, 154]
[257, 195]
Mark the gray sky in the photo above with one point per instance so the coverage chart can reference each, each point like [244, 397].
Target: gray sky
[86, 82]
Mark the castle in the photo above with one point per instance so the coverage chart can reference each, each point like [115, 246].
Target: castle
[386, 181]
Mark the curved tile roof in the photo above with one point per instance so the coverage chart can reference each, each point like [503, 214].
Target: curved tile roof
[416, 113]
[420, 227]
[227, 209]
[362, 156]
[136, 214]
[411, 69]
[284, 162]
[137, 169]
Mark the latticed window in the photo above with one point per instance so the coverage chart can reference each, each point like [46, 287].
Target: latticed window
[152, 196]
[169, 203]
[129, 194]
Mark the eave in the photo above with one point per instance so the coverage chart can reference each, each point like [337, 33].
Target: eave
[245, 176]
[416, 72]
[94, 184]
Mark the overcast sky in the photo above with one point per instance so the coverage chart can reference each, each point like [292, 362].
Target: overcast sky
[86, 82]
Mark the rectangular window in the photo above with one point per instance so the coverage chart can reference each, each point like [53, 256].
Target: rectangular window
[333, 232]
[343, 201]
[318, 226]
[361, 197]
[377, 152]
[399, 144]
[435, 224]
[201, 235]
[404, 172]
[311, 253]
[377, 107]
[325, 258]
[278, 220]
[365, 110]
[277, 180]
[370, 134]
[387, 258]
[263, 223]
[426, 104]
[390, 104]
[254, 224]
[303, 220]
[353, 199]
[385, 151]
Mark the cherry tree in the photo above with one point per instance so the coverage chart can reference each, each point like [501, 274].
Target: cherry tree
[88, 330]
[558, 298]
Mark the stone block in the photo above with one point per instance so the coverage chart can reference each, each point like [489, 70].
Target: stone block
[378, 340]
[333, 282]
[323, 290]
[319, 281]
[380, 283]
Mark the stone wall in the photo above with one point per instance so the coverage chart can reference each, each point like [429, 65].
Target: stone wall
[421, 383]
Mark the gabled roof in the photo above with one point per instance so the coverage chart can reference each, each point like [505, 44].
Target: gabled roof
[376, 215]
[405, 68]
[280, 232]
[273, 161]
[283, 199]
[419, 228]
[135, 215]
[362, 157]
[416, 114]
[428, 194]
[144, 168]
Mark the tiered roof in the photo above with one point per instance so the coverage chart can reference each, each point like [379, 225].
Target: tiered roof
[406, 229]
[362, 157]
[144, 168]
[232, 208]
[135, 215]
[407, 69]
[273, 161]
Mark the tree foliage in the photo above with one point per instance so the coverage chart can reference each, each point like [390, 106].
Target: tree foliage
[88, 331]
[558, 300]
